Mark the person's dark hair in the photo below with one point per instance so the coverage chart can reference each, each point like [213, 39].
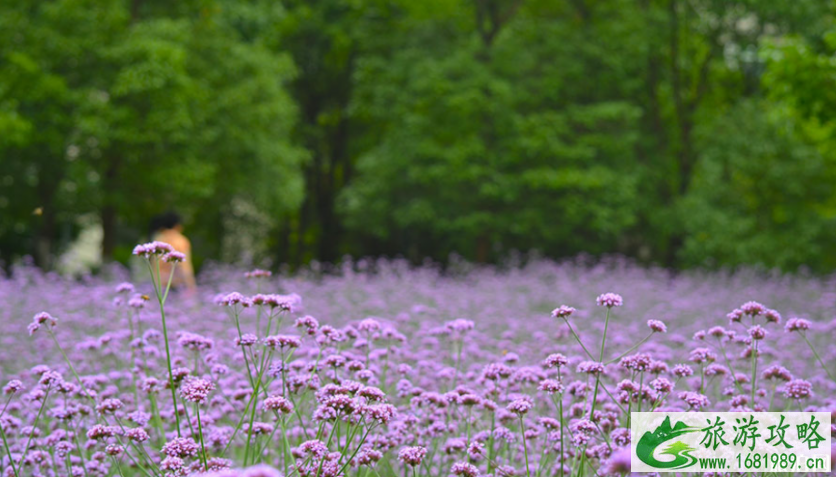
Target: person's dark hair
[165, 221]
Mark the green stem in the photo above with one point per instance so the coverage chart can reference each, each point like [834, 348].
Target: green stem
[560, 410]
[285, 446]
[240, 421]
[8, 451]
[260, 374]
[328, 443]
[78, 446]
[728, 365]
[581, 461]
[264, 359]
[544, 460]
[200, 435]
[525, 446]
[600, 360]
[243, 348]
[641, 390]
[134, 446]
[604, 435]
[258, 313]
[133, 355]
[3, 411]
[350, 438]
[188, 418]
[823, 366]
[359, 446]
[630, 350]
[155, 410]
[161, 300]
[458, 347]
[467, 425]
[604, 338]
[577, 338]
[34, 424]
[614, 400]
[754, 351]
[70, 365]
[259, 451]
[491, 443]
[118, 466]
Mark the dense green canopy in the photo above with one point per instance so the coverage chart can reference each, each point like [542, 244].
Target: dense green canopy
[681, 132]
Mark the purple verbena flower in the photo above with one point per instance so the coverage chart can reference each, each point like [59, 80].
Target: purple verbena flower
[412, 456]
[657, 326]
[797, 324]
[609, 300]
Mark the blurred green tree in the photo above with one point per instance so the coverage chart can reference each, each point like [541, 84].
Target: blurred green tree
[485, 145]
[759, 194]
[308, 130]
[146, 108]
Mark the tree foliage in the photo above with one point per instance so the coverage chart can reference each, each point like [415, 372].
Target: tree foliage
[682, 132]
[135, 109]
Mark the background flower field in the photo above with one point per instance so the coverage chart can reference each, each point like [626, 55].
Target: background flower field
[402, 370]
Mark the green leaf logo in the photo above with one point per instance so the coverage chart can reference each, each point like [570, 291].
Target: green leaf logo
[649, 442]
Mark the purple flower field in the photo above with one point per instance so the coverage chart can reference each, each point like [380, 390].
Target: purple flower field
[380, 369]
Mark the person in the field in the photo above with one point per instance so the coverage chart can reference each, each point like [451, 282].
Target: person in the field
[168, 228]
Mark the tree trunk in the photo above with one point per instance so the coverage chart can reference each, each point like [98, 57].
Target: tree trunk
[135, 6]
[109, 213]
[48, 181]
[45, 237]
[483, 248]
[331, 231]
[108, 232]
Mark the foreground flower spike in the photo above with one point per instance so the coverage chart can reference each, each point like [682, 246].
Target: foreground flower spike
[196, 390]
[798, 389]
[155, 252]
[181, 447]
[174, 257]
[151, 249]
[464, 469]
[412, 456]
[797, 324]
[563, 311]
[12, 387]
[609, 300]
[657, 326]
[801, 326]
[41, 319]
[258, 273]
[278, 404]
[753, 308]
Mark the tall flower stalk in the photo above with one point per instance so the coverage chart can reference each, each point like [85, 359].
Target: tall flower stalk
[609, 300]
[156, 253]
[800, 326]
[520, 407]
[34, 427]
[600, 360]
[8, 451]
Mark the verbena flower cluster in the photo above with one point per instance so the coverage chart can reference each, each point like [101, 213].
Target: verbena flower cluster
[378, 369]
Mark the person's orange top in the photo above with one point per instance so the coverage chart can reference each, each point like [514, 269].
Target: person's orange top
[183, 272]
